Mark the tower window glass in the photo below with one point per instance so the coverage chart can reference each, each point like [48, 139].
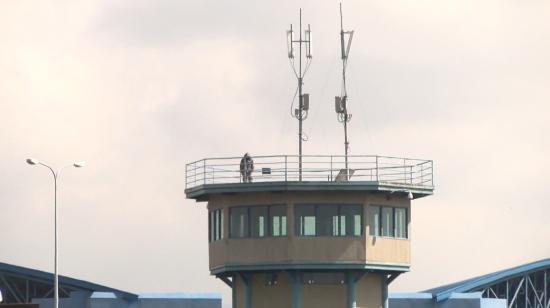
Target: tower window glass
[388, 221]
[305, 220]
[374, 220]
[238, 222]
[277, 219]
[258, 221]
[351, 218]
[400, 223]
[328, 220]
[215, 224]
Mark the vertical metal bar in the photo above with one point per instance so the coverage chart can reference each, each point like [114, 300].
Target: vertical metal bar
[405, 170]
[518, 288]
[234, 292]
[204, 171]
[377, 180]
[432, 171]
[248, 292]
[507, 292]
[385, 303]
[351, 290]
[526, 291]
[295, 277]
[331, 168]
[286, 168]
[545, 285]
[27, 291]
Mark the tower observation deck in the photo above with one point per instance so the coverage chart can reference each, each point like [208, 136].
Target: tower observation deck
[335, 238]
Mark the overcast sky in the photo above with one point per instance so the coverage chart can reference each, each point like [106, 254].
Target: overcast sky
[140, 88]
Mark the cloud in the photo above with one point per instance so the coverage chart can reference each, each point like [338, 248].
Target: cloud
[138, 89]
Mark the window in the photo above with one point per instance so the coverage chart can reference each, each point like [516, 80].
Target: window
[374, 220]
[215, 225]
[277, 219]
[258, 221]
[351, 219]
[328, 220]
[400, 222]
[305, 220]
[239, 222]
[388, 221]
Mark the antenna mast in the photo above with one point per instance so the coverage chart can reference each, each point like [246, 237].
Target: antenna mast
[301, 112]
[341, 102]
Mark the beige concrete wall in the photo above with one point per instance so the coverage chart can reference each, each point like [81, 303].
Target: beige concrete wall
[387, 250]
[239, 293]
[291, 249]
[323, 295]
[275, 296]
[369, 291]
[287, 250]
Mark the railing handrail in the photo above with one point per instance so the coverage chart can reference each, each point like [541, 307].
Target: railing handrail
[269, 168]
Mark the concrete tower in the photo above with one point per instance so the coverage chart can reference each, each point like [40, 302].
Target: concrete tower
[310, 237]
[310, 231]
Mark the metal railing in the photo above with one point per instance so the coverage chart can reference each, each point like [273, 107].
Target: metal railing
[326, 168]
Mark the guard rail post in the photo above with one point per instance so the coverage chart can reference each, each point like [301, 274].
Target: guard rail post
[286, 168]
[377, 180]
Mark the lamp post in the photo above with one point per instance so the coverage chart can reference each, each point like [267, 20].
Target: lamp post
[56, 174]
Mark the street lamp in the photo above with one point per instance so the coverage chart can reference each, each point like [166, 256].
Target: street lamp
[32, 161]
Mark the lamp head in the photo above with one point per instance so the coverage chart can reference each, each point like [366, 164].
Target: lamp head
[410, 195]
[79, 164]
[32, 161]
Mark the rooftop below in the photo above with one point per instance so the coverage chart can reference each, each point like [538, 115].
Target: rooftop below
[280, 173]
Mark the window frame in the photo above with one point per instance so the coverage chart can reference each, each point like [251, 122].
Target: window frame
[298, 232]
[248, 221]
[405, 225]
[393, 220]
[215, 225]
[270, 232]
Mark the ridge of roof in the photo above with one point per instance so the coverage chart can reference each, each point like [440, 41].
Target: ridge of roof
[48, 277]
[442, 293]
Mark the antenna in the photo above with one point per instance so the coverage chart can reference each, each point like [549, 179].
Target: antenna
[301, 112]
[341, 102]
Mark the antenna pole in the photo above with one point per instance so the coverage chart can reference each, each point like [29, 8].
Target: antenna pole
[301, 112]
[341, 102]
[300, 104]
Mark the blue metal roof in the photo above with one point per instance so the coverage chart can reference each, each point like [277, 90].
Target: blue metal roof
[444, 292]
[180, 296]
[33, 274]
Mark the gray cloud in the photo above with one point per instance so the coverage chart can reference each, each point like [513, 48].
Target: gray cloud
[138, 89]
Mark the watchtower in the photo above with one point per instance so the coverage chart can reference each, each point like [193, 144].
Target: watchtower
[328, 240]
[310, 231]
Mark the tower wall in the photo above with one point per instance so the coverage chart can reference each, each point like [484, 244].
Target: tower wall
[368, 290]
[295, 250]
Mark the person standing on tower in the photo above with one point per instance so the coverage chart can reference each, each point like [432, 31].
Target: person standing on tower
[247, 166]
